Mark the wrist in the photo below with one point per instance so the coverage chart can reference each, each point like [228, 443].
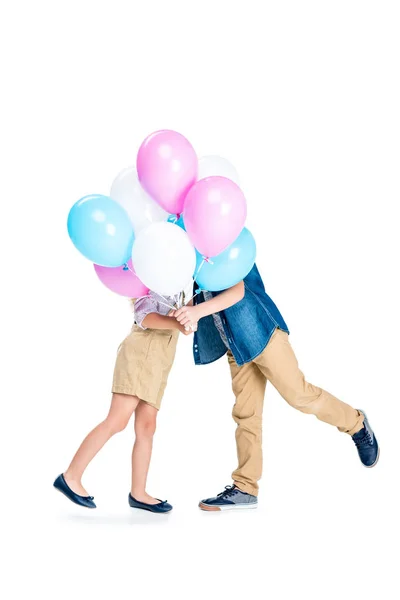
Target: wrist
[201, 311]
[175, 324]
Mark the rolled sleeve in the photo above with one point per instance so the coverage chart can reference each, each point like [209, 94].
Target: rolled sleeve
[143, 307]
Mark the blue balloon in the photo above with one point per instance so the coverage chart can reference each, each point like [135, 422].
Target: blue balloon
[229, 267]
[101, 230]
[179, 222]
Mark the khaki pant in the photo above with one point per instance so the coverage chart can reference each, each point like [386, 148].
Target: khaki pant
[278, 364]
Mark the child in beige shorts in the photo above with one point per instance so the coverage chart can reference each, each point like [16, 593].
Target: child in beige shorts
[142, 367]
[143, 363]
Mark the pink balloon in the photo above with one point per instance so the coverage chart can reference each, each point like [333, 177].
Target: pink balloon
[121, 280]
[214, 214]
[167, 168]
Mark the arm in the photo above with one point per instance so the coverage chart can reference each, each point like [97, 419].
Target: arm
[227, 298]
[147, 316]
[156, 321]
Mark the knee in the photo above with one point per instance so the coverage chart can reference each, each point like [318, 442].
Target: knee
[304, 400]
[145, 427]
[115, 425]
[249, 420]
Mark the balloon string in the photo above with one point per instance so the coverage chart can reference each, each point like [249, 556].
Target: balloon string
[127, 268]
[177, 299]
[199, 269]
[205, 260]
[197, 292]
[168, 305]
[166, 300]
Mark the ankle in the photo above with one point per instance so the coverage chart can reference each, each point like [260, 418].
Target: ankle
[138, 493]
[71, 476]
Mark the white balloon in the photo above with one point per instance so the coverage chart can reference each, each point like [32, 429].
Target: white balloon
[141, 208]
[163, 258]
[216, 165]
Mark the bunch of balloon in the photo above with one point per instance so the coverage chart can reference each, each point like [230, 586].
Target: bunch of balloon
[170, 218]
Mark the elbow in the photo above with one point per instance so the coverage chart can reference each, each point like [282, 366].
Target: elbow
[239, 295]
[145, 323]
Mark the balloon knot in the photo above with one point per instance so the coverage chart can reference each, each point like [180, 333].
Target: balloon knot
[208, 260]
[125, 267]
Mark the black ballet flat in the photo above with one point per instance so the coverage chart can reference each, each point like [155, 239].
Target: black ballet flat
[62, 486]
[161, 507]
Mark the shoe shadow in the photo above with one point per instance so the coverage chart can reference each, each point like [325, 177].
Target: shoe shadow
[135, 517]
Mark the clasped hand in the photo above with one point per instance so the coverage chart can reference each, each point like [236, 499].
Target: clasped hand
[187, 317]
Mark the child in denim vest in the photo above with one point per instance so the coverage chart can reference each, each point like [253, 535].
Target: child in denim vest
[256, 339]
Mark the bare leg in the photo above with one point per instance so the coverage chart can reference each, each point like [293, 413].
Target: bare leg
[121, 409]
[145, 426]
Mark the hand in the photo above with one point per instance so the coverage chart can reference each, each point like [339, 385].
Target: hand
[192, 327]
[187, 329]
[188, 314]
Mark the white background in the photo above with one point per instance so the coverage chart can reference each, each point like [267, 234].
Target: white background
[303, 98]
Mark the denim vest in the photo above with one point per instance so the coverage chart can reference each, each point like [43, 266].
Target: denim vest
[248, 325]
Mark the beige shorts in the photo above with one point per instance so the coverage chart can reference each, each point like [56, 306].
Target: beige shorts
[143, 363]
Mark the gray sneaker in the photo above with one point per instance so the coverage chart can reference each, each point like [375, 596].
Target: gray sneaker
[230, 499]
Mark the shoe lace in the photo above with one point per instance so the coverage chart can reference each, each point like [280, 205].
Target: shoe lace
[230, 490]
[365, 440]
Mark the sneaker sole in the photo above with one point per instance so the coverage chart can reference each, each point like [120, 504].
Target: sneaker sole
[375, 463]
[379, 448]
[208, 507]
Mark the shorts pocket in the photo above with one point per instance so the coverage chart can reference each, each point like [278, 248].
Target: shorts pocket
[148, 349]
